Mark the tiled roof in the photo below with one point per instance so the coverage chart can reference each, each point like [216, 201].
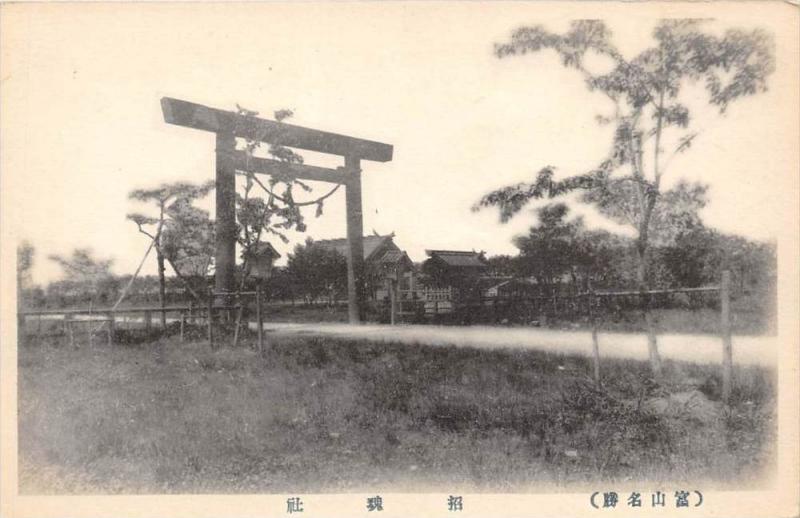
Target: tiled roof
[458, 258]
[391, 257]
[371, 243]
[262, 248]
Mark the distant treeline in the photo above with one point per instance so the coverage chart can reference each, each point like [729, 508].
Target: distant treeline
[103, 292]
[599, 260]
[606, 261]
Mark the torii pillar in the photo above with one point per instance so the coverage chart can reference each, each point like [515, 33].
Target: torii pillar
[228, 126]
[225, 193]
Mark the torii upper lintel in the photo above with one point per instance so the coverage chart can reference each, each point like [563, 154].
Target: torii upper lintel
[197, 116]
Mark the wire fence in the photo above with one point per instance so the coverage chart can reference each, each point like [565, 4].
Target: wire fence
[233, 308]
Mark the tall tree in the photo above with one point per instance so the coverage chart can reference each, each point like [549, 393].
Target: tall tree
[644, 92]
[557, 246]
[693, 258]
[168, 199]
[317, 270]
[502, 266]
[81, 268]
[25, 255]
[549, 250]
[188, 239]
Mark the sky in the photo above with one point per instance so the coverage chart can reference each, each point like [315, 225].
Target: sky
[82, 125]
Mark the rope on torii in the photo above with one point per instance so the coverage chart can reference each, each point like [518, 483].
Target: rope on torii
[319, 200]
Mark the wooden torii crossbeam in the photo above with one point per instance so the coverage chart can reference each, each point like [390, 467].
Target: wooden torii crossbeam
[228, 126]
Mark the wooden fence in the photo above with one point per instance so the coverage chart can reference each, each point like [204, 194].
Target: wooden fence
[111, 318]
[724, 291]
[444, 302]
[95, 319]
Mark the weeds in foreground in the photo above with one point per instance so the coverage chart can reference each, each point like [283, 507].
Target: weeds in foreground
[331, 415]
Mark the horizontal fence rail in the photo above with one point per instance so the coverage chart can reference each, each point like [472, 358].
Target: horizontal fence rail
[113, 317]
[119, 311]
[667, 291]
[427, 303]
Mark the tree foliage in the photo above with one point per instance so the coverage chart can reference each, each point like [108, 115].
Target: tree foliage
[547, 251]
[81, 266]
[172, 201]
[502, 266]
[644, 93]
[697, 255]
[181, 233]
[275, 211]
[167, 193]
[557, 247]
[25, 255]
[317, 270]
[281, 285]
[188, 239]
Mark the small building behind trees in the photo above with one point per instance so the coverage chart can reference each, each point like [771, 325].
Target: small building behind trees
[388, 267]
[454, 268]
[452, 278]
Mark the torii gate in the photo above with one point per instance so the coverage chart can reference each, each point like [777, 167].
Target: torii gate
[228, 126]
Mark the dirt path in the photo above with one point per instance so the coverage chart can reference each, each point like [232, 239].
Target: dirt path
[747, 350]
[696, 348]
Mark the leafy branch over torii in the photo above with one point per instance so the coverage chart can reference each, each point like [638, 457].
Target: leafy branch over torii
[279, 212]
[644, 92]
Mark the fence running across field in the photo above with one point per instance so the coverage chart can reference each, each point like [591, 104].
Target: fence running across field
[70, 322]
[111, 318]
[591, 304]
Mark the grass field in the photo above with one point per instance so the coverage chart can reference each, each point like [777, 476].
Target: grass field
[316, 415]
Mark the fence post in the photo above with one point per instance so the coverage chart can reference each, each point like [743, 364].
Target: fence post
[148, 321]
[70, 330]
[183, 319]
[210, 318]
[595, 344]
[238, 322]
[725, 327]
[392, 302]
[259, 320]
[111, 328]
